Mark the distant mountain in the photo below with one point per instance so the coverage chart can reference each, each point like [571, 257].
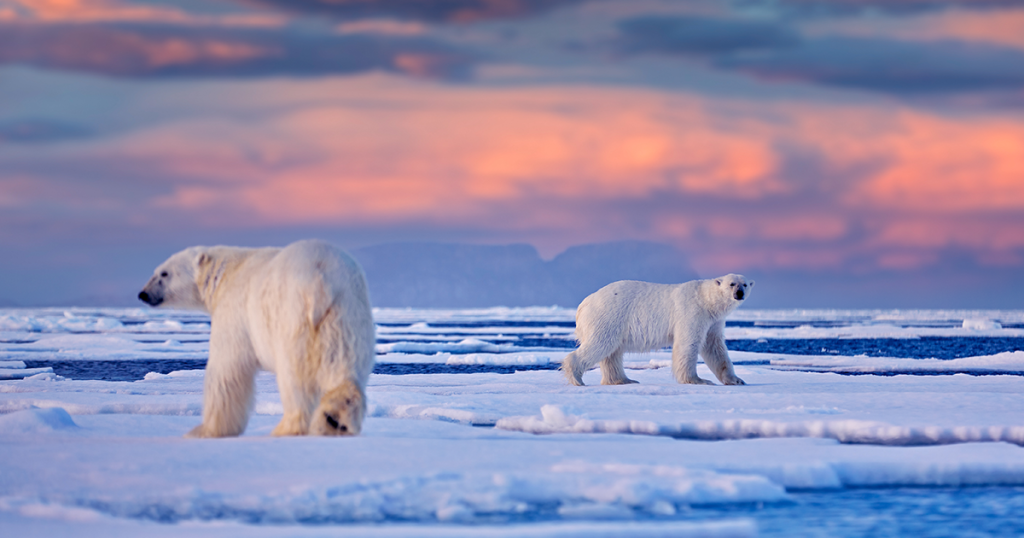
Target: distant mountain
[436, 275]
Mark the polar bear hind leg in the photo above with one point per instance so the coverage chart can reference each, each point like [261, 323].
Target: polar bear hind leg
[581, 360]
[573, 368]
[612, 371]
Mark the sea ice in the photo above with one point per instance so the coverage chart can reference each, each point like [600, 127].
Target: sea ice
[451, 454]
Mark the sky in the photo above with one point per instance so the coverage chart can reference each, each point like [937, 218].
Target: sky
[843, 153]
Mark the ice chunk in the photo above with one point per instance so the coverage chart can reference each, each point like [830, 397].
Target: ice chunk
[36, 420]
[22, 373]
[468, 345]
[981, 324]
[44, 376]
[499, 359]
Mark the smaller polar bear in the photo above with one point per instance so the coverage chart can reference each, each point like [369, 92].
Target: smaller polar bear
[302, 312]
[632, 316]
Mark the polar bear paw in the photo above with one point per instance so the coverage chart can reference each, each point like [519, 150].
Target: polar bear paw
[696, 381]
[291, 424]
[340, 411]
[573, 377]
[618, 381]
[202, 432]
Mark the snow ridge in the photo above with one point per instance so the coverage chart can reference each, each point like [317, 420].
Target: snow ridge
[572, 491]
[554, 420]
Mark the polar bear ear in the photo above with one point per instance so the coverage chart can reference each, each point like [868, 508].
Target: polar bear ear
[718, 281]
[750, 284]
[203, 259]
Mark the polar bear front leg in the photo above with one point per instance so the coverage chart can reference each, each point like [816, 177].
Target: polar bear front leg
[228, 389]
[716, 356]
[684, 358]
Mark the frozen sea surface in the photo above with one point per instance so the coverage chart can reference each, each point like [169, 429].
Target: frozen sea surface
[472, 431]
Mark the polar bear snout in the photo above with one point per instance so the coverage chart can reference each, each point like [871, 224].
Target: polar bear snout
[151, 298]
[739, 294]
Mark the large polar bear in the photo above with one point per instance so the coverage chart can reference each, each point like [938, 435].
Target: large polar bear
[632, 316]
[302, 312]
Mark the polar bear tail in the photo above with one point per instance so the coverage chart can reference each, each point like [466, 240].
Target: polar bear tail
[342, 333]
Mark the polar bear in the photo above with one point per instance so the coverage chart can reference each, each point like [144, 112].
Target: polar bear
[632, 316]
[302, 312]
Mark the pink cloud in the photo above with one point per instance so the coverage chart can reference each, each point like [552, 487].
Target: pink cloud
[96, 11]
[563, 165]
[440, 152]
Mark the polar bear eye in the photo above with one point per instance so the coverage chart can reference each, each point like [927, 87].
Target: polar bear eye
[331, 420]
[164, 274]
[733, 285]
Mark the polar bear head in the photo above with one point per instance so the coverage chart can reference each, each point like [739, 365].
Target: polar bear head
[173, 283]
[340, 412]
[737, 287]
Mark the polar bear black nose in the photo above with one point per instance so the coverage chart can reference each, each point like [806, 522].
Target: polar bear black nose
[739, 295]
[145, 297]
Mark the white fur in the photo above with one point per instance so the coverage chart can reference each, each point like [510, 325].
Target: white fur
[302, 312]
[632, 316]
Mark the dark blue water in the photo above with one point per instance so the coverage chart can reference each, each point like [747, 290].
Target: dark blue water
[883, 513]
[135, 370]
[489, 323]
[925, 347]
[917, 348]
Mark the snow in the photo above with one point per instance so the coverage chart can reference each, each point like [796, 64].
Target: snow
[468, 345]
[1010, 362]
[554, 420]
[504, 359]
[493, 454]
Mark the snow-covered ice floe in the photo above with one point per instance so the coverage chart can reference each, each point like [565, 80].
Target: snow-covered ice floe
[1001, 363]
[488, 453]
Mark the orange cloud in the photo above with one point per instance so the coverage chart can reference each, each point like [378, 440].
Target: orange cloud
[1002, 27]
[890, 185]
[940, 164]
[439, 151]
[92, 11]
[906, 159]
